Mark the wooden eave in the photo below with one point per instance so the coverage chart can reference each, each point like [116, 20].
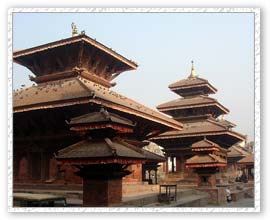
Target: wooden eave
[89, 161]
[71, 40]
[205, 165]
[70, 74]
[213, 148]
[221, 107]
[196, 134]
[119, 128]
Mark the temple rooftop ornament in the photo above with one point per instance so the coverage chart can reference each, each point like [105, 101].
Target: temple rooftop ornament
[193, 73]
[74, 29]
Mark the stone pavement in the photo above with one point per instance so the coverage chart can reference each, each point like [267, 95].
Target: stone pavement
[245, 202]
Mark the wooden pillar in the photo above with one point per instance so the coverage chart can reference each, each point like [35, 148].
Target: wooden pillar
[155, 176]
[182, 164]
[173, 165]
[23, 171]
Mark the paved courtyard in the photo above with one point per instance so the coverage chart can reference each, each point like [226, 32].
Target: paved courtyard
[245, 202]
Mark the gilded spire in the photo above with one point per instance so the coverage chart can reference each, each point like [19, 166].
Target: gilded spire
[193, 74]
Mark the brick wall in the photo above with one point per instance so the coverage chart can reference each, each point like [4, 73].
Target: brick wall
[97, 193]
[136, 175]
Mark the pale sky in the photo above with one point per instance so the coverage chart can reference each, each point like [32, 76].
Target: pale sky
[163, 44]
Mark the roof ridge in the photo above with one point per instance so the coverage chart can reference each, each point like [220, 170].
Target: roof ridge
[71, 147]
[111, 146]
[214, 157]
[130, 146]
[213, 120]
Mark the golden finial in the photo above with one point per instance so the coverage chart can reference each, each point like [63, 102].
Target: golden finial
[193, 74]
[74, 30]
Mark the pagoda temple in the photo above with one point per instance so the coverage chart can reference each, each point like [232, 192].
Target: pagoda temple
[200, 116]
[60, 118]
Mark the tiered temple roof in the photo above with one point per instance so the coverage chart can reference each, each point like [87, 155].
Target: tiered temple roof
[186, 87]
[199, 113]
[208, 154]
[106, 147]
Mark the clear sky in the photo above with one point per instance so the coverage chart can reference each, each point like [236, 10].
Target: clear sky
[163, 44]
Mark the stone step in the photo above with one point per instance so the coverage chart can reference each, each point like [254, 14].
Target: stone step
[41, 186]
[243, 193]
[185, 197]
[69, 194]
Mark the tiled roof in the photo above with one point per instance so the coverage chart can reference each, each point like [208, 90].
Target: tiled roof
[204, 126]
[238, 151]
[99, 149]
[102, 116]
[201, 129]
[227, 123]
[204, 143]
[191, 81]
[152, 156]
[247, 159]
[75, 90]
[205, 159]
[190, 102]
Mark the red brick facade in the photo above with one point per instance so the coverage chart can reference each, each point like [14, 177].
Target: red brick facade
[102, 192]
[136, 175]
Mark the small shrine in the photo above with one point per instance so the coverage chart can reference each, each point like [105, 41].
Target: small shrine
[209, 157]
[102, 156]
